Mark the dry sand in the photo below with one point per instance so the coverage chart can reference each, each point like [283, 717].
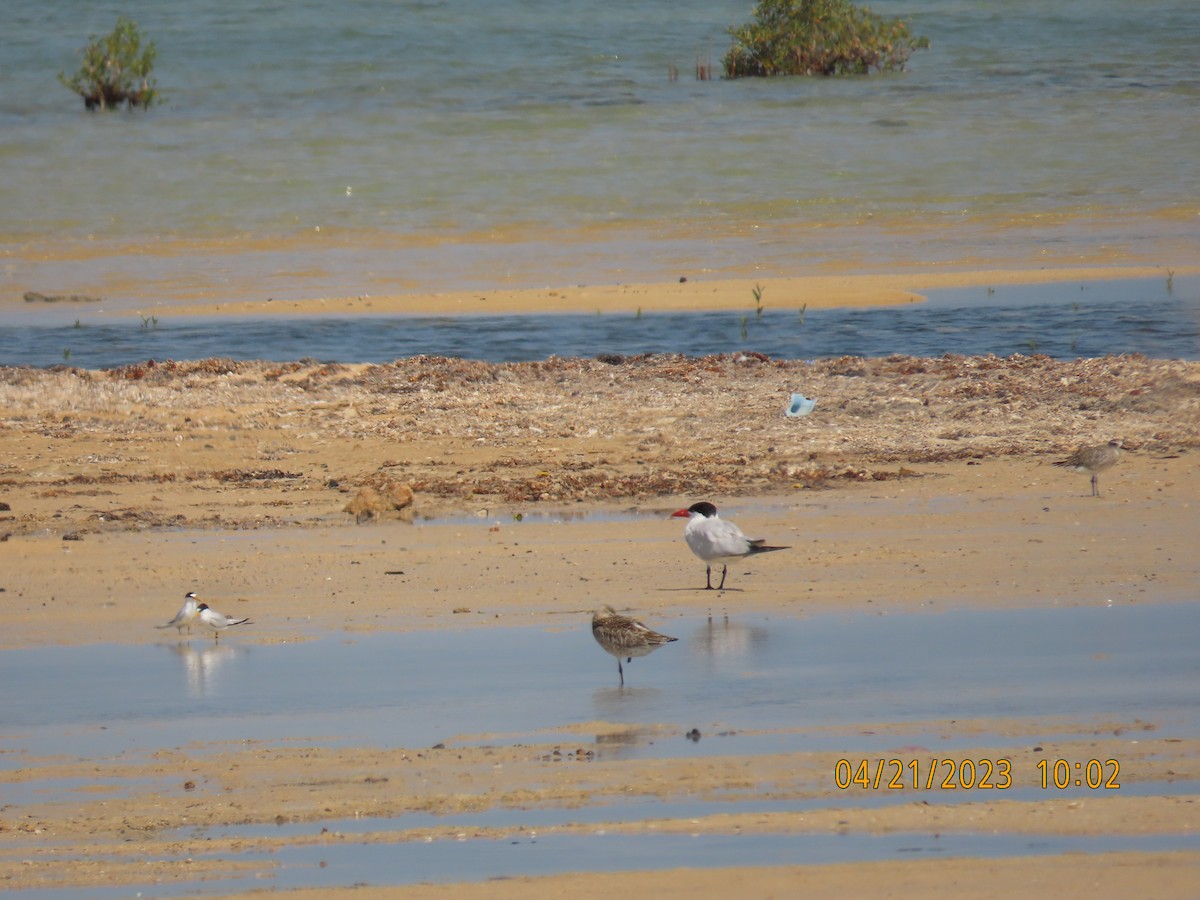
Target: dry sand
[916, 484]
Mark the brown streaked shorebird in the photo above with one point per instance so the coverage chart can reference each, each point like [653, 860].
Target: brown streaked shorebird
[623, 636]
[1095, 460]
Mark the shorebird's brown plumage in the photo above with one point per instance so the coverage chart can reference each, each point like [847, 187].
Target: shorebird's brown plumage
[1095, 460]
[624, 637]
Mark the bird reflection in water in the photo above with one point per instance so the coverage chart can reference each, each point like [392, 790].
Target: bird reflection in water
[720, 640]
[202, 668]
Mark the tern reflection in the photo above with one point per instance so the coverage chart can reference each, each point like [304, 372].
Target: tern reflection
[721, 641]
[202, 668]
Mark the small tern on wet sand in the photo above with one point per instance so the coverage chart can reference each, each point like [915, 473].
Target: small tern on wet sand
[218, 622]
[623, 636]
[185, 615]
[1095, 460]
[714, 539]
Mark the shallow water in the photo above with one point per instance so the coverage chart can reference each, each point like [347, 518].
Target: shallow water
[750, 685]
[457, 144]
[444, 117]
[1060, 320]
[344, 864]
[1123, 662]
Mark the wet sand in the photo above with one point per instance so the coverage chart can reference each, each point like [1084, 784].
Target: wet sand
[1113, 875]
[813, 290]
[915, 485]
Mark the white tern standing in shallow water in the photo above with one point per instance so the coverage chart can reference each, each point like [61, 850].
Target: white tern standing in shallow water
[218, 622]
[185, 615]
[714, 539]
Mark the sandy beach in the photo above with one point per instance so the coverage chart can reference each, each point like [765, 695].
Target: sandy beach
[540, 490]
[399, 333]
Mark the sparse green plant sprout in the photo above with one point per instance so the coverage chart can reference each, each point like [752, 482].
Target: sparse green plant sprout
[149, 322]
[1032, 344]
[116, 70]
[818, 37]
[1170, 280]
[745, 321]
[758, 304]
[78, 324]
[803, 309]
[66, 353]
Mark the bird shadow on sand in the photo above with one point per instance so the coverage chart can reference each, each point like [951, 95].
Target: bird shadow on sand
[710, 591]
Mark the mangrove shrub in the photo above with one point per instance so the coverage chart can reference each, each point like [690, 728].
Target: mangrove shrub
[818, 37]
[116, 69]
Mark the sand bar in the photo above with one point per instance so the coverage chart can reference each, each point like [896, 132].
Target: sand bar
[811, 291]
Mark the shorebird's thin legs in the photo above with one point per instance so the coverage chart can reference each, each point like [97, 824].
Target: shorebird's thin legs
[1095, 484]
[708, 578]
[621, 672]
[724, 569]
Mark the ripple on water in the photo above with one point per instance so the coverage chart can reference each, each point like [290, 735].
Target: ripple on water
[1057, 320]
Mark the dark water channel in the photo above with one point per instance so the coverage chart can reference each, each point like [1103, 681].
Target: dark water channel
[1064, 321]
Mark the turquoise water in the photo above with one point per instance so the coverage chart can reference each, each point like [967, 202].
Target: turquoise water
[402, 145]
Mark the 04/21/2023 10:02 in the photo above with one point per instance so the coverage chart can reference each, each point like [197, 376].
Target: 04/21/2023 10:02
[970, 774]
